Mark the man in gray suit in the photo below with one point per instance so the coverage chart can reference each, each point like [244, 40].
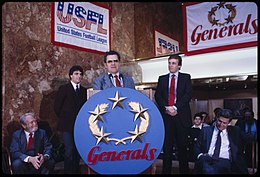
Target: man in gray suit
[113, 78]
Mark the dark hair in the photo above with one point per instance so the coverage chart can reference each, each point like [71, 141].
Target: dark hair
[176, 56]
[75, 68]
[111, 52]
[216, 111]
[226, 113]
[247, 109]
[198, 114]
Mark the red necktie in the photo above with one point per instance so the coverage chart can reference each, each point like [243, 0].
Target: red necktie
[30, 141]
[117, 81]
[172, 88]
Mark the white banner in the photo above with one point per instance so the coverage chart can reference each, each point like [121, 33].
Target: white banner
[81, 25]
[165, 44]
[215, 26]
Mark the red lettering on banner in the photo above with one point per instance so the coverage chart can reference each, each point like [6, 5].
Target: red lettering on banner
[138, 154]
[233, 30]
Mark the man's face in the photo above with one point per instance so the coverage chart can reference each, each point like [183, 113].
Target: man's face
[173, 65]
[31, 124]
[76, 77]
[112, 64]
[248, 116]
[197, 121]
[222, 123]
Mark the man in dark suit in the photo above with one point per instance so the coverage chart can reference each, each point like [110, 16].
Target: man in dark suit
[230, 158]
[31, 151]
[248, 125]
[113, 78]
[69, 99]
[176, 114]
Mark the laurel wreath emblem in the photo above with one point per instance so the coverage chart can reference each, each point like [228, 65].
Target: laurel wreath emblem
[100, 110]
[231, 14]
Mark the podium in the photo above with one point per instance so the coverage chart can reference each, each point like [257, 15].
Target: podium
[150, 94]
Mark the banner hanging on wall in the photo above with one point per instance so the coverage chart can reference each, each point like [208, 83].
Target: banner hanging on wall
[165, 44]
[81, 25]
[216, 26]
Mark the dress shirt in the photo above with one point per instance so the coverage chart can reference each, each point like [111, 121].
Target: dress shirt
[27, 134]
[225, 148]
[75, 85]
[113, 79]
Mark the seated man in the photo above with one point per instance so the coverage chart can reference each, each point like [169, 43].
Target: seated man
[30, 148]
[219, 148]
[193, 134]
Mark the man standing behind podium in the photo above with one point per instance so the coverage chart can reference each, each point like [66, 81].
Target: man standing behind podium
[113, 78]
[69, 99]
[173, 103]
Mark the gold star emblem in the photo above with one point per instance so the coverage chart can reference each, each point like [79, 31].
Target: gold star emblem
[139, 112]
[98, 114]
[136, 134]
[101, 136]
[117, 100]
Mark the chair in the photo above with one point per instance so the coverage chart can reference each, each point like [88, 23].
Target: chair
[6, 161]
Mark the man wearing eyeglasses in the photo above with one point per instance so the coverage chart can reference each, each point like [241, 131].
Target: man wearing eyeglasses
[219, 148]
[113, 78]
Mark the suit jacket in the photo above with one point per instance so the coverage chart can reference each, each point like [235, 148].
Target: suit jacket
[103, 82]
[18, 147]
[236, 140]
[67, 105]
[183, 97]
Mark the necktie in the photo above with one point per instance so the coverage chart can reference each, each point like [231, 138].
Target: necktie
[249, 128]
[172, 88]
[217, 147]
[117, 81]
[77, 89]
[30, 141]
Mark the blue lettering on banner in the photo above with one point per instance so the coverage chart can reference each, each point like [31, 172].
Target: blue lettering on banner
[167, 45]
[63, 29]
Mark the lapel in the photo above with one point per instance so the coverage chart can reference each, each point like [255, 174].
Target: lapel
[23, 141]
[36, 141]
[75, 97]
[210, 137]
[107, 82]
[166, 83]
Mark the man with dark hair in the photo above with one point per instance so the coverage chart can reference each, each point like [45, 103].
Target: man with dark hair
[31, 150]
[69, 99]
[248, 125]
[219, 148]
[172, 95]
[113, 78]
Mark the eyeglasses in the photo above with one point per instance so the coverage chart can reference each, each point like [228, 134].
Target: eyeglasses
[111, 61]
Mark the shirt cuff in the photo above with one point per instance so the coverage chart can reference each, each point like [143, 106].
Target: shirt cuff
[175, 108]
[27, 159]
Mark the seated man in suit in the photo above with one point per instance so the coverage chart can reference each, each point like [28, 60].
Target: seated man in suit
[30, 148]
[219, 148]
[113, 78]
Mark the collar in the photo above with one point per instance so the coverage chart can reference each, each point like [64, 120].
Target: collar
[28, 133]
[74, 85]
[110, 74]
[176, 74]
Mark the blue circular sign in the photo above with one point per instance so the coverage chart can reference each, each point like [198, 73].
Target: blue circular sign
[119, 131]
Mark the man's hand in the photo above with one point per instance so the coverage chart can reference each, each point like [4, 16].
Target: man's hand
[170, 110]
[35, 161]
